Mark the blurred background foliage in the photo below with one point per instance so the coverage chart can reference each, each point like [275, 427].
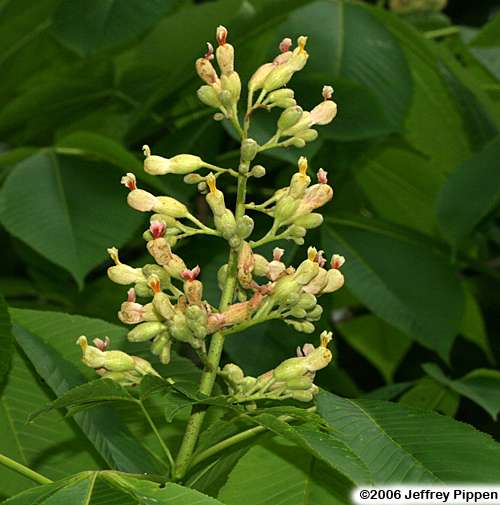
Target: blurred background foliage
[413, 157]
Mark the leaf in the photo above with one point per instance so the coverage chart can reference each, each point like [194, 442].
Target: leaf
[105, 427]
[381, 344]
[403, 445]
[6, 339]
[477, 182]
[388, 392]
[104, 488]
[277, 473]
[322, 445]
[373, 67]
[481, 386]
[48, 339]
[92, 393]
[52, 446]
[428, 394]
[67, 209]
[400, 186]
[99, 25]
[473, 326]
[394, 275]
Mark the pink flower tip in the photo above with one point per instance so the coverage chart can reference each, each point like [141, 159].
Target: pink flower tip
[285, 44]
[278, 253]
[221, 35]
[131, 295]
[101, 344]
[320, 259]
[157, 229]
[209, 55]
[191, 275]
[322, 176]
[337, 261]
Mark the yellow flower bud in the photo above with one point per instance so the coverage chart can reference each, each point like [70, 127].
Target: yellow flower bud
[145, 331]
[171, 207]
[289, 117]
[231, 82]
[260, 75]
[335, 280]
[209, 96]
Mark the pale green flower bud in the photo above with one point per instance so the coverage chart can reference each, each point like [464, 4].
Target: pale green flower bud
[285, 208]
[303, 383]
[215, 198]
[260, 265]
[309, 221]
[304, 395]
[244, 226]
[289, 117]
[302, 124]
[278, 77]
[179, 329]
[296, 232]
[335, 280]
[307, 301]
[155, 165]
[315, 314]
[260, 75]
[226, 224]
[308, 269]
[150, 313]
[91, 356]
[151, 269]
[193, 178]
[249, 149]
[161, 301]
[233, 372]
[297, 142]
[171, 207]
[118, 361]
[308, 135]
[121, 273]
[231, 82]
[285, 287]
[297, 312]
[197, 320]
[175, 266]
[160, 342]
[142, 289]
[258, 171]
[300, 180]
[202, 187]
[145, 331]
[222, 276]
[180, 164]
[317, 284]
[226, 98]
[143, 367]
[209, 96]
[302, 326]
[129, 378]
[282, 98]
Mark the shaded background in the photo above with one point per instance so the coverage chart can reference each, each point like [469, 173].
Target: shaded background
[413, 157]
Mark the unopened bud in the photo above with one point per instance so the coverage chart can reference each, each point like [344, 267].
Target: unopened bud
[315, 314]
[145, 331]
[285, 208]
[171, 207]
[307, 301]
[215, 198]
[335, 280]
[249, 149]
[289, 117]
[309, 221]
[260, 266]
[244, 226]
[308, 135]
[206, 71]
[258, 171]
[283, 98]
[226, 224]
[260, 75]
[231, 82]
[337, 261]
[193, 178]
[324, 113]
[278, 77]
[284, 287]
[209, 96]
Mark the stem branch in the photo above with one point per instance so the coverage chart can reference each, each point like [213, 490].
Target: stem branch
[23, 470]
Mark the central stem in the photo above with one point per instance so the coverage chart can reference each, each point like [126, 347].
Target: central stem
[216, 344]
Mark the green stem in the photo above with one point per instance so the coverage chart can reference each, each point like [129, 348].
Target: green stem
[236, 439]
[209, 375]
[166, 450]
[442, 32]
[23, 470]
[248, 324]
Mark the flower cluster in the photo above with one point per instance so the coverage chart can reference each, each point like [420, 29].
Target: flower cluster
[165, 303]
[293, 378]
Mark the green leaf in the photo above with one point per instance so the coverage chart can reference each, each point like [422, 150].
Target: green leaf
[96, 25]
[403, 445]
[6, 339]
[68, 209]
[275, 472]
[105, 488]
[380, 343]
[394, 274]
[92, 393]
[52, 445]
[477, 182]
[48, 339]
[373, 67]
[320, 444]
[428, 394]
[481, 386]
[473, 326]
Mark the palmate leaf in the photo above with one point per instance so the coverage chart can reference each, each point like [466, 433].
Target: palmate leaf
[276, 473]
[49, 339]
[51, 445]
[67, 209]
[110, 488]
[404, 445]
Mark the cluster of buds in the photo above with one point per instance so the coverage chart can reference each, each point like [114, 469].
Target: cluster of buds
[115, 365]
[293, 378]
[221, 92]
